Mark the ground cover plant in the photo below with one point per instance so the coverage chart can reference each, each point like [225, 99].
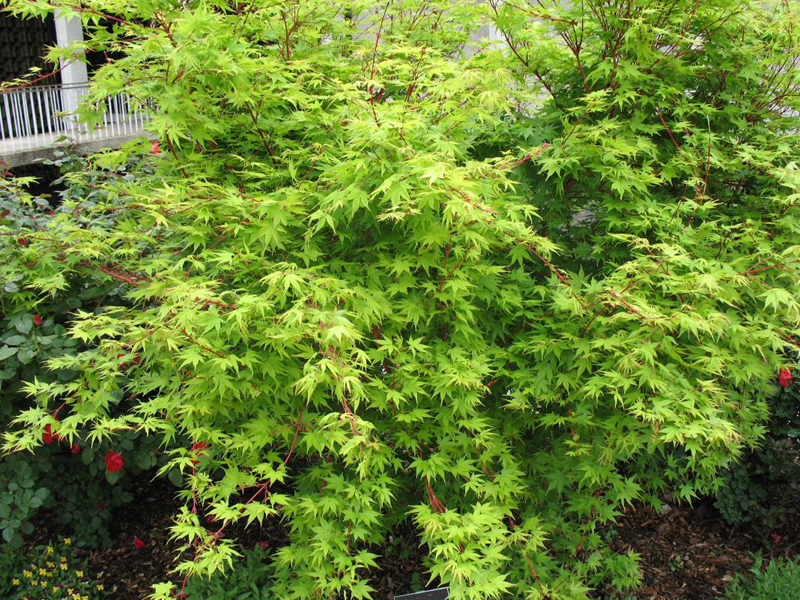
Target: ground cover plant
[763, 489]
[776, 580]
[379, 271]
[54, 572]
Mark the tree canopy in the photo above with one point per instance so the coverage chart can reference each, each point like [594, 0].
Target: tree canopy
[380, 268]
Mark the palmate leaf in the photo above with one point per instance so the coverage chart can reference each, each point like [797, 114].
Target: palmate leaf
[499, 289]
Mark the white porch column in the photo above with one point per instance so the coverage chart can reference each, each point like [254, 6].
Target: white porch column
[74, 70]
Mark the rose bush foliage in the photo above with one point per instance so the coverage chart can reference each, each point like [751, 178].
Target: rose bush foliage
[384, 271]
[70, 478]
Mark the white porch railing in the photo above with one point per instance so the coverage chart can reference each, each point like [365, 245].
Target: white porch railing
[43, 116]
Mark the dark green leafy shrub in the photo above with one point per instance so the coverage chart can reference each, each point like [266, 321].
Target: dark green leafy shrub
[248, 579]
[376, 274]
[71, 476]
[763, 489]
[12, 559]
[21, 495]
[779, 579]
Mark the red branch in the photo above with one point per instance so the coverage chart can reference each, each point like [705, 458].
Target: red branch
[195, 342]
[264, 488]
[669, 131]
[751, 271]
[558, 274]
[32, 81]
[118, 276]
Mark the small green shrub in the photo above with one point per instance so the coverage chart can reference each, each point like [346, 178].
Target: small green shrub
[55, 572]
[70, 474]
[11, 561]
[763, 490]
[779, 580]
[379, 276]
[249, 579]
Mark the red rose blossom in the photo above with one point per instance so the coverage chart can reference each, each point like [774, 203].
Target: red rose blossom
[75, 448]
[154, 149]
[784, 377]
[114, 462]
[23, 242]
[263, 544]
[38, 319]
[138, 543]
[198, 448]
[47, 436]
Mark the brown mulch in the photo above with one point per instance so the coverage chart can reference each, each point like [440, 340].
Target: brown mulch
[687, 553]
[690, 553]
[128, 571]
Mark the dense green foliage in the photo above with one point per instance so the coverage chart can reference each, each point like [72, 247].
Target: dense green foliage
[380, 272]
[249, 579]
[12, 559]
[68, 477]
[763, 489]
[778, 580]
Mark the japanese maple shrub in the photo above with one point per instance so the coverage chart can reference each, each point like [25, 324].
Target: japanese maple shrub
[384, 270]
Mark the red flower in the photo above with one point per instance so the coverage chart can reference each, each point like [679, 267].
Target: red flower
[138, 543]
[48, 436]
[784, 377]
[114, 462]
[75, 448]
[38, 319]
[23, 242]
[101, 506]
[154, 149]
[52, 213]
[198, 448]
[263, 544]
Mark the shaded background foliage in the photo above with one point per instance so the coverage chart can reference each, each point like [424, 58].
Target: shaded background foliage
[378, 272]
[69, 478]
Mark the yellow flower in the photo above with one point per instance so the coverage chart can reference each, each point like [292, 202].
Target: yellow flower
[50, 565]
[15, 581]
[67, 541]
[27, 574]
[86, 598]
[79, 573]
[63, 567]
[100, 587]
[34, 582]
[42, 572]
[55, 589]
[63, 559]
[49, 549]
[70, 590]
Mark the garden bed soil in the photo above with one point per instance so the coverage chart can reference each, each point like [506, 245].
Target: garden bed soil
[687, 553]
